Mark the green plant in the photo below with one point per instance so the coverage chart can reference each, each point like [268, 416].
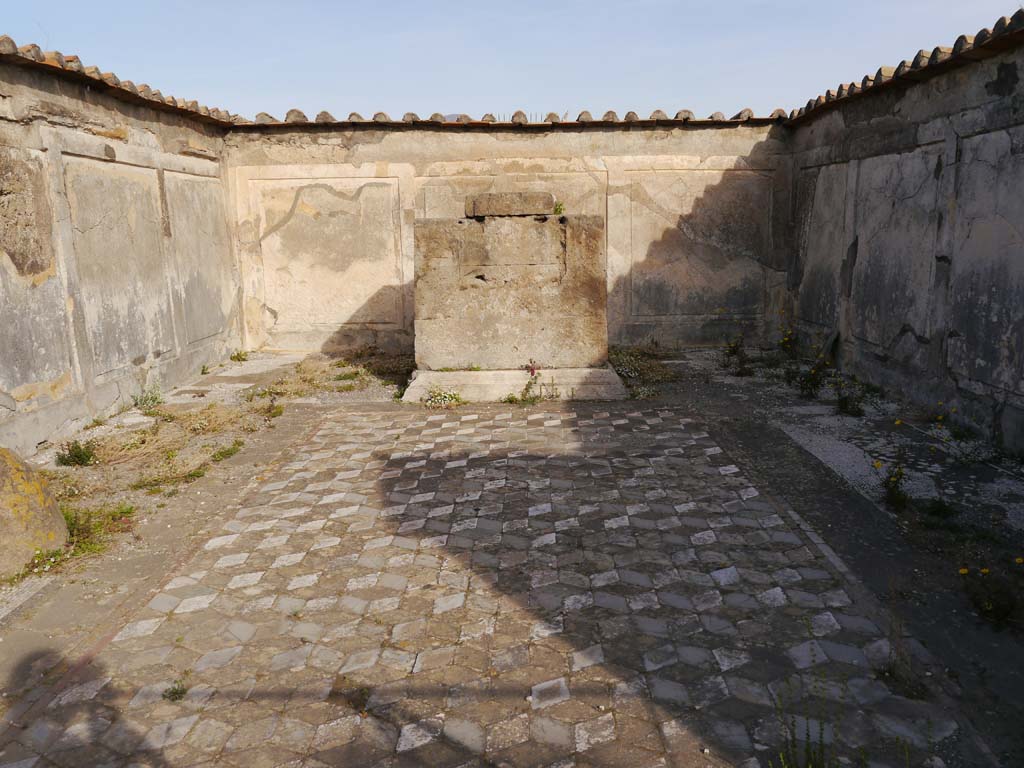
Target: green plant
[533, 391]
[348, 376]
[205, 370]
[808, 752]
[76, 454]
[438, 397]
[788, 343]
[228, 451]
[89, 529]
[148, 399]
[240, 356]
[559, 208]
[893, 479]
[849, 396]
[177, 690]
[99, 421]
[810, 382]
[273, 410]
[734, 347]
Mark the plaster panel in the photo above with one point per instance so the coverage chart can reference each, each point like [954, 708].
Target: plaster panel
[116, 217]
[822, 243]
[696, 241]
[331, 254]
[987, 277]
[201, 251]
[896, 229]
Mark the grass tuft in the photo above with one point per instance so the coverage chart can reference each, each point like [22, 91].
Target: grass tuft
[77, 454]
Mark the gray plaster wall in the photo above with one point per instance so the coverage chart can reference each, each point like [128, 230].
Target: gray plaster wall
[116, 264]
[909, 240]
[325, 220]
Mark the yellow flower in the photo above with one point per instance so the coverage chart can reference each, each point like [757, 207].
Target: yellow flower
[939, 417]
[984, 570]
[963, 571]
[1019, 561]
[898, 422]
[877, 464]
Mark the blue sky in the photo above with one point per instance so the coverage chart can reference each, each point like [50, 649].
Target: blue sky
[475, 57]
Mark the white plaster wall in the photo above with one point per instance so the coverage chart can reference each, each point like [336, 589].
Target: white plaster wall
[688, 233]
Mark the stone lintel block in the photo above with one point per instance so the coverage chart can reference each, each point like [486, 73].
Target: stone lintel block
[510, 204]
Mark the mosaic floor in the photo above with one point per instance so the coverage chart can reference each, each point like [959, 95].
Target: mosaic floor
[592, 586]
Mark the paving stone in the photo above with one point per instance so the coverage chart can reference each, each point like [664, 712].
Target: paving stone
[166, 734]
[508, 733]
[466, 734]
[549, 693]
[416, 735]
[593, 732]
[217, 659]
[587, 657]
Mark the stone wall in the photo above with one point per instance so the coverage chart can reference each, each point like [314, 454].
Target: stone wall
[116, 268]
[909, 229]
[143, 237]
[326, 218]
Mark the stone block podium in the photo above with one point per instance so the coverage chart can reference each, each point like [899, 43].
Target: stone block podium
[512, 284]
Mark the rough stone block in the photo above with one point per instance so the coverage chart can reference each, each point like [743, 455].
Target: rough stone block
[496, 293]
[510, 204]
[29, 517]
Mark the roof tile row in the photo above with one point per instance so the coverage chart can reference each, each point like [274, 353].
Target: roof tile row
[518, 118]
[1006, 32]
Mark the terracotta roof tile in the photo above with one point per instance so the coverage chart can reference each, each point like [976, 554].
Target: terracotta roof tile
[70, 65]
[1006, 32]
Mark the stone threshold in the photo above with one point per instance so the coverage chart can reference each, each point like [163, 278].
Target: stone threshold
[495, 386]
